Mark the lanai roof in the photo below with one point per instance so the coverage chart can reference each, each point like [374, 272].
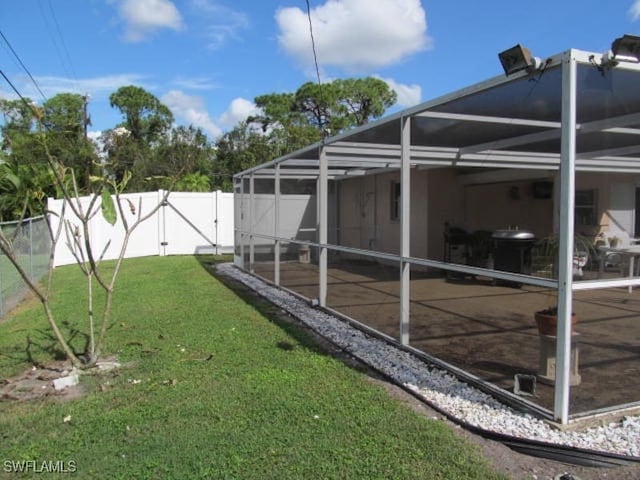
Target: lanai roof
[505, 122]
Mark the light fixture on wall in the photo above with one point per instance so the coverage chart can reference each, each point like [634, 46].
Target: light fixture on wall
[623, 49]
[518, 58]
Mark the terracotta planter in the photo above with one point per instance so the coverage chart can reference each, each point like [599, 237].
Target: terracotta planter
[548, 323]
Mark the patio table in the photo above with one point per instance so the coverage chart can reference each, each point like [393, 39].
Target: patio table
[630, 253]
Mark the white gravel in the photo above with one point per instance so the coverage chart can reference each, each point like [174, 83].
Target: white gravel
[442, 389]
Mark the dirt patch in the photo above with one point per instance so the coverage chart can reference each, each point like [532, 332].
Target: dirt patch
[39, 382]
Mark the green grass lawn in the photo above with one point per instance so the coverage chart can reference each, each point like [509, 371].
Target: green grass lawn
[267, 404]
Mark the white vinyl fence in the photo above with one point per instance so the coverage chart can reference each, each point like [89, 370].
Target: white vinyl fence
[188, 223]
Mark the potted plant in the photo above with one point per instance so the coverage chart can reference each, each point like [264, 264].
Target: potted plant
[547, 321]
[547, 250]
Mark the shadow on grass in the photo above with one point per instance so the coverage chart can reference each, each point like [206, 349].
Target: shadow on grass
[304, 336]
[41, 345]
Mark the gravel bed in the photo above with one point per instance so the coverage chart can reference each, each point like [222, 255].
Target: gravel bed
[440, 388]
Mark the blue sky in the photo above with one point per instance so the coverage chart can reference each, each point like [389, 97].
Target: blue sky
[208, 59]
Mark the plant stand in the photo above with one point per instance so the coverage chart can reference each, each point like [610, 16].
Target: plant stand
[547, 363]
[304, 254]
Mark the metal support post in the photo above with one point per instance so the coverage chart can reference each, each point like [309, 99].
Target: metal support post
[405, 229]
[32, 274]
[323, 186]
[241, 226]
[276, 227]
[565, 271]
[252, 210]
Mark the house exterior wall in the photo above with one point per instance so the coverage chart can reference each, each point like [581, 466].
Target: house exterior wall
[365, 212]
[615, 202]
[509, 204]
[445, 204]
[438, 197]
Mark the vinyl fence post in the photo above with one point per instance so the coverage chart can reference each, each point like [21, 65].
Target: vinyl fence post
[162, 232]
[216, 221]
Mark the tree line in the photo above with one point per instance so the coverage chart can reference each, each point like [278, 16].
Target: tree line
[152, 153]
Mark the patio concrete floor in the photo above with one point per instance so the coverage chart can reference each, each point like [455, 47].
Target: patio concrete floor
[489, 330]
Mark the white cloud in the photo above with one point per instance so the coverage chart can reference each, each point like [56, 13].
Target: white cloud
[222, 23]
[238, 111]
[196, 83]
[96, 87]
[95, 135]
[408, 95]
[634, 10]
[355, 34]
[192, 109]
[143, 17]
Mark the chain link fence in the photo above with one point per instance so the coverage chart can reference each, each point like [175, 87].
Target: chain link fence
[32, 244]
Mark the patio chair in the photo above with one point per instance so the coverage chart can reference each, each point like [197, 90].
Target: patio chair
[614, 260]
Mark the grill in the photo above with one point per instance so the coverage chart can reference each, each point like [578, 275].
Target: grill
[512, 250]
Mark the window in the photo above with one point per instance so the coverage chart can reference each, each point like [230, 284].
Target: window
[395, 201]
[586, 213]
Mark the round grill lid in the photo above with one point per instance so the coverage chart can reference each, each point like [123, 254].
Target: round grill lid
[513, 234]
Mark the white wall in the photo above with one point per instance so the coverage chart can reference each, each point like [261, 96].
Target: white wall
[167, 232]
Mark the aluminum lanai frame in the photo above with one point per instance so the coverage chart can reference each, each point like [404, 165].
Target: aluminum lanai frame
[490, 125]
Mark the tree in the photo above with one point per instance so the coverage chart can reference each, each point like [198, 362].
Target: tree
[18, 120]
[193, 182]
[75, 228]
[241, 148]
[146, 122]
[328, 108]
[364, 98]
[320, 104]
[184, 151]
[24, 189]
[145, 117]
[62, 120]
[291, 121]
[26, 178]
[65, 121]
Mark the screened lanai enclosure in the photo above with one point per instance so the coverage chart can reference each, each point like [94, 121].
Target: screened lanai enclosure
[446, 227]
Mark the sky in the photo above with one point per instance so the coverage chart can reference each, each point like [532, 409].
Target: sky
[207, 60]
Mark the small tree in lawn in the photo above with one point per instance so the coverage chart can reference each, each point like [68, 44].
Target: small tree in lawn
[75, 231]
